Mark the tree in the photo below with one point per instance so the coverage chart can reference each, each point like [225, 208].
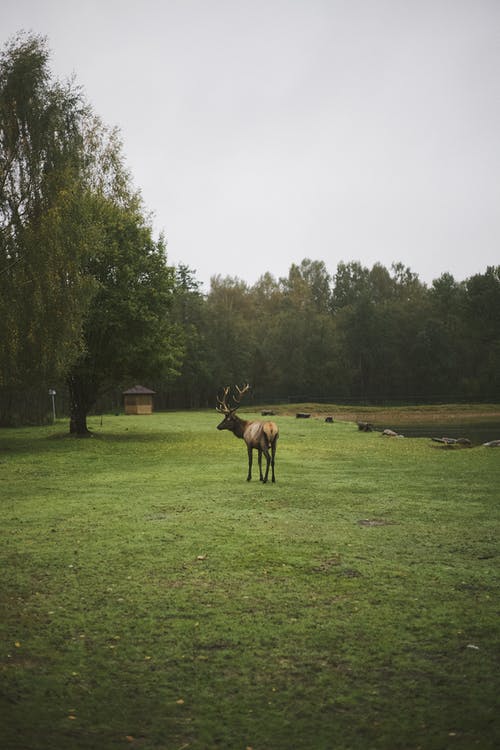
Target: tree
[194, 387]
[73, 231]
[128, 333]
[45, 223]
[350, 281]
[482, 326]
[300, 335]
[309, 285]
[233, 335]
[378, 317]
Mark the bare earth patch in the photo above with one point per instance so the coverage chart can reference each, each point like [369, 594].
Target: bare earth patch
[438, 413]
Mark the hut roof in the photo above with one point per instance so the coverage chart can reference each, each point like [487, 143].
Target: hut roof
[138, 389]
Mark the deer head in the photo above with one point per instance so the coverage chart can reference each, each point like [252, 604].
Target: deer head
[229, 410]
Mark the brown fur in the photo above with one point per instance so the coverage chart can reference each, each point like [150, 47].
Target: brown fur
[259, 436]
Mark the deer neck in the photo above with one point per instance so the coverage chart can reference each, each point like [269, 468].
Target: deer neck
[239, 427]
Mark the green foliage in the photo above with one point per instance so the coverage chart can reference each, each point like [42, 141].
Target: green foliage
[482, 321]
[158, 600]
[233, 334]
[366, 334]
[44, 219]
[85, 291]
[194, 384]
[127, 333]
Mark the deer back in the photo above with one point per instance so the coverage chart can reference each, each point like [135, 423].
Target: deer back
[260, 433]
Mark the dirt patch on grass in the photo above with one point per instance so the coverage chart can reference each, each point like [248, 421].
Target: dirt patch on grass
[328, 564]
[393, 415]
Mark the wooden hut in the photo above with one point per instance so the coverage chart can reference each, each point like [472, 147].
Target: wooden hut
[138, 400]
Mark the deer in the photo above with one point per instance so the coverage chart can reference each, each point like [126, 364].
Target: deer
[258, 435]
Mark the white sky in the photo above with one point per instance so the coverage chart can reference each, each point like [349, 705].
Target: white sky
[266, 131]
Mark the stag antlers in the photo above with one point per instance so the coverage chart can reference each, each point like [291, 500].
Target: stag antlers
[223, 407]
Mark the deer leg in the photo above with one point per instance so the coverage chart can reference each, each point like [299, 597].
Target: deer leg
[273, 453]
[268, 461]
[250, 457]
[259, 453]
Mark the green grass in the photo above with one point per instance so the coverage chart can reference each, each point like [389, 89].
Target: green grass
[152, 598]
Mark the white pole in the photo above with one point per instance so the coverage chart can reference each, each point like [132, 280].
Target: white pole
[52, 393]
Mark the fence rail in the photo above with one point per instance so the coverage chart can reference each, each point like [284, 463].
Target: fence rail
[33, 405]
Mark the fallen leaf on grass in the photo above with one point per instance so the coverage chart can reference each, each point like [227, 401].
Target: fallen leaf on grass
[180, 702]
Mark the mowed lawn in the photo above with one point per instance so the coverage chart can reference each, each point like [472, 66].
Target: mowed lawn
[152, 598]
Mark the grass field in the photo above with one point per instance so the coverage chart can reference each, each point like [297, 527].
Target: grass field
[152, 598]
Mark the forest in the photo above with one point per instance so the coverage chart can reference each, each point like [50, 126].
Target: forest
[367, 335]
[89, 304]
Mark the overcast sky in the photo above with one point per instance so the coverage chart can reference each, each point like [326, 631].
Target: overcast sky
[261, 132]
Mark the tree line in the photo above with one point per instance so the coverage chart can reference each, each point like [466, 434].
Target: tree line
[359, 334]
[90, 304]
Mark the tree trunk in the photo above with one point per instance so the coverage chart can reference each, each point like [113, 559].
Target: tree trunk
[78, 423]
[79, 407]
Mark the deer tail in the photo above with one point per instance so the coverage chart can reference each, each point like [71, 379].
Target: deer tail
[271, 433]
